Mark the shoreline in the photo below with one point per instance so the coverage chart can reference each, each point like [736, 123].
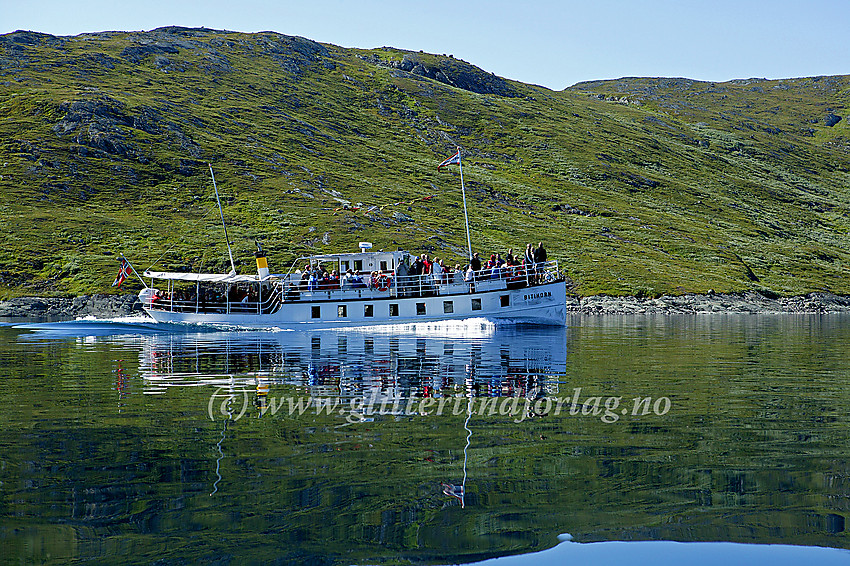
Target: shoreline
[746, 302]
[70, 308]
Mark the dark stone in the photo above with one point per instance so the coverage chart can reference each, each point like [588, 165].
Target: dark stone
[638, 181]
[162, 62]
[831, 119]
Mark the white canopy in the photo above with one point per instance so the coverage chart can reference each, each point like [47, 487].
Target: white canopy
[203, 277]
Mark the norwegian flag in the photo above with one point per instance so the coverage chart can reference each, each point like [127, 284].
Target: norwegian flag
[123, 273]
[454, 159]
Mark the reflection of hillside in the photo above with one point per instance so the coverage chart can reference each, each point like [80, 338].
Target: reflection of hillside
[754, 448]
[504, 362]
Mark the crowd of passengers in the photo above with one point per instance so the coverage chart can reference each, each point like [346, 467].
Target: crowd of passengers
[426, 271]
[422, 274]
[209, 296]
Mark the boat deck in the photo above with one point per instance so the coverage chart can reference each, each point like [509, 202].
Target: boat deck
[277, 291]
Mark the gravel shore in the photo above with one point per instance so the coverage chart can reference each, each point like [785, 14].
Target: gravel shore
[58, 308]
[749, 302]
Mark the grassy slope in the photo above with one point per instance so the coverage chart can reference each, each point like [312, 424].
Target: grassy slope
[638, 186]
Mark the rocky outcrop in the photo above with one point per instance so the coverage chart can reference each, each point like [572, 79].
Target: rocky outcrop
[31, 39]
[99, 306]
[749, 302]
[101, 126]
[294, 54]
[450, 71]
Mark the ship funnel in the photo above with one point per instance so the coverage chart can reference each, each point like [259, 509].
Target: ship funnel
[262, 264]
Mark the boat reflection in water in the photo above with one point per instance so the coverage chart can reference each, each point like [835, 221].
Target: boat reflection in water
[471, 358]
[378, 366]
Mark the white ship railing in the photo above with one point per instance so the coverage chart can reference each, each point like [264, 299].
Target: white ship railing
[290, 289]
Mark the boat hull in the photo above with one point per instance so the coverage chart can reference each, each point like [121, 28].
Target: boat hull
[540, 304]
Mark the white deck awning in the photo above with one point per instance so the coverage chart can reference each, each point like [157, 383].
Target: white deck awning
[203, 277]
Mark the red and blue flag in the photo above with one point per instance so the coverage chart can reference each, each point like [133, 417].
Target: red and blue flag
[123, 273]
[454, 159]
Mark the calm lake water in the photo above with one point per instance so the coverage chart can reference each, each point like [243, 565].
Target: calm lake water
[133, 443]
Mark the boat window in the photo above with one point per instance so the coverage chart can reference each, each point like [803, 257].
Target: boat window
[505, 300]
[343, 266]
[317, 312]
[369, 310]
[393, 309]
[476, 304]
[420, 308]
[448, 306]
[358, 265]
[342, 311]
[383, 266]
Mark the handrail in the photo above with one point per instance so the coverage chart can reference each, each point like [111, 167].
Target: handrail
[400, 286]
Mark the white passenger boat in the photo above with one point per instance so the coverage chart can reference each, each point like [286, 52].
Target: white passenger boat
[373, 290]
[372, 287]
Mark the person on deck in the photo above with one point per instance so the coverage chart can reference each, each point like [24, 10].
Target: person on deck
[402, 273]
[475, 263]
[426, 264]
[416, 267]
[457, 275]
[528, 263]
[539, 261]
[529, 254]
[437, 272]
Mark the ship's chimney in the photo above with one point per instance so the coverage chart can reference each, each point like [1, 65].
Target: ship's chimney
[262, 264]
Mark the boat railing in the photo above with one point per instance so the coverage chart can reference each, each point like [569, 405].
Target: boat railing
[195, 304]
[390, 284]
[385, 284]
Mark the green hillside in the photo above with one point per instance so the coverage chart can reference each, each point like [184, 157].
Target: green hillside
[637, 186]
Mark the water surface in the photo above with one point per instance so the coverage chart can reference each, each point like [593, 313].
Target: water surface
[138, 443]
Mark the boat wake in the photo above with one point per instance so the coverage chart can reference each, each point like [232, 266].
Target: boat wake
[90, 326]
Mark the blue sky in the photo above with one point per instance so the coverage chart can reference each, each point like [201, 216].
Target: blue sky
[546, 42]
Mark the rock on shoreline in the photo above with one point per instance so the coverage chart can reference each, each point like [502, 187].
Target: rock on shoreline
[98, 306]
[749, 302]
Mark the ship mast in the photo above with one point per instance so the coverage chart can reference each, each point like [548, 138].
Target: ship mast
[226, 238]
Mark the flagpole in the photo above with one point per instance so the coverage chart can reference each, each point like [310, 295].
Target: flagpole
[134, 269]
[463, 192]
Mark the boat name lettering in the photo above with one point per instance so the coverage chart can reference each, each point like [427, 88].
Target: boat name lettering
[532, 296]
